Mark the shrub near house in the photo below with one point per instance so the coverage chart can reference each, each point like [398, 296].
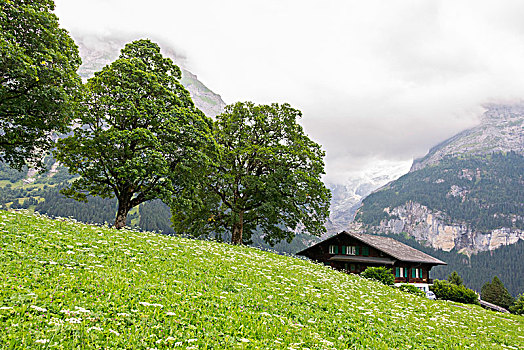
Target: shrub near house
[453, 292]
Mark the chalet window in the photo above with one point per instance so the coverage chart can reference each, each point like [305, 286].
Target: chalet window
[353, 268]
[349, 250]
[333, 249]
[416, 273]
[365, 251]
[401, 272]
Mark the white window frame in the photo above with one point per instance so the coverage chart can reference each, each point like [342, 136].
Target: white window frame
[351, 250]
[332, 249]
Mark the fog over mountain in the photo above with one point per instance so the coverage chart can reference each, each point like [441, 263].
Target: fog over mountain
[377, 81]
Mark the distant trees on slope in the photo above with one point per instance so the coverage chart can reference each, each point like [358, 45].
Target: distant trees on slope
[137, 137]
[492, 192]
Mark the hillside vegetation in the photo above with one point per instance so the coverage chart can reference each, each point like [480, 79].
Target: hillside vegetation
[485, 192]
[67, 285]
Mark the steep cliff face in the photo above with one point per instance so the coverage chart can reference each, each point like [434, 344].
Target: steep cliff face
[97, 52]
[466, 195]
[436, 229]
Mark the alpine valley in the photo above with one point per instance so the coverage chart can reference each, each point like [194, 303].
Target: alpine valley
[462, 203]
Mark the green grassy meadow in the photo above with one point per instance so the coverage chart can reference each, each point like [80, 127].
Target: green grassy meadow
[67, 285]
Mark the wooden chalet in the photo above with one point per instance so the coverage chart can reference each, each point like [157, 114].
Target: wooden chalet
[354, 252]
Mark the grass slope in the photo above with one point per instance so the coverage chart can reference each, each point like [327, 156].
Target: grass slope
[69, 285]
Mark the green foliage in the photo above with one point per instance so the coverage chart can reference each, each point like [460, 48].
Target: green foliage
[409, 288]
[39, 86]
[518, 306]
[381, 274]
[454, 278]
[265, 176]
[140, 132]
[496, 293]
[492, 192]
[68, 285]
[449, 291]
[505, 262]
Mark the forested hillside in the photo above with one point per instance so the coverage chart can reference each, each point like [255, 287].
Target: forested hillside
[486, 192]
[43, 195]
[505, 262]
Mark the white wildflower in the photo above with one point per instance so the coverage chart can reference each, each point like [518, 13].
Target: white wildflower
[6, 307]
[82, 310]
[94, 328]
[37, 308]
[123, 314]
[145, 303]
[42, 341]
[73, 320]
[114, 332]
[169, 313]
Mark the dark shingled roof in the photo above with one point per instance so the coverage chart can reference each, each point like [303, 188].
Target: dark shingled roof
[390, 246]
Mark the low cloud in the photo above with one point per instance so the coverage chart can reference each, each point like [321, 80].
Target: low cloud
[375, 80]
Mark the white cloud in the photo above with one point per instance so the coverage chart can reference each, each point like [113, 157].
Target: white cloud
[374, 79]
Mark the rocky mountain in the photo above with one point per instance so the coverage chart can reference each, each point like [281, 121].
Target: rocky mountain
[466, 194]
[500, 130]
[347, 197]
[98, 51]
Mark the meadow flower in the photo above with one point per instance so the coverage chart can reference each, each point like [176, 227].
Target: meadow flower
[73, 320]
[114, 332]
[6, 307]
[37, 308]
[145, 303]
[82, 310]
[169, 313]
[42, 341]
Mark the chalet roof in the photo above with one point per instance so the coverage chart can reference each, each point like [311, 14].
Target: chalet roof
[390, 246]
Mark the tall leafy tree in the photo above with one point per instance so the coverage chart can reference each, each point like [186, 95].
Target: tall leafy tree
[266, 176]
[496, 293]
[140, 131]
[39, 85]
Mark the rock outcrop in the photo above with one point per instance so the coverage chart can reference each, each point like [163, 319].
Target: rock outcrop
[435, 229]
[97, 52]
[460, 175]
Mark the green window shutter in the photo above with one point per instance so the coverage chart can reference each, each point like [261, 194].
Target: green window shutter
[397, 272]
[356, 250]
[336, 249]
[365, 251]
[413, 273]
[343, 249]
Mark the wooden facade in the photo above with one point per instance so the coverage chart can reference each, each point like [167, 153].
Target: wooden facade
[354, 252]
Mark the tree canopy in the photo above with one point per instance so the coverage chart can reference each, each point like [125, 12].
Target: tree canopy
[140, 132]
[265, 176]
[496, 293]
[39, 86]
[455, 278]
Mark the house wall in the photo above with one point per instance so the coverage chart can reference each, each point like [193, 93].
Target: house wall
[321, 254]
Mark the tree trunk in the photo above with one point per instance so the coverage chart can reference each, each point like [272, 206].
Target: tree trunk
[238, 228]
[121, 216]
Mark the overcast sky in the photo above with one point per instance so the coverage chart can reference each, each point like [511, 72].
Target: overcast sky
[378, 82]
